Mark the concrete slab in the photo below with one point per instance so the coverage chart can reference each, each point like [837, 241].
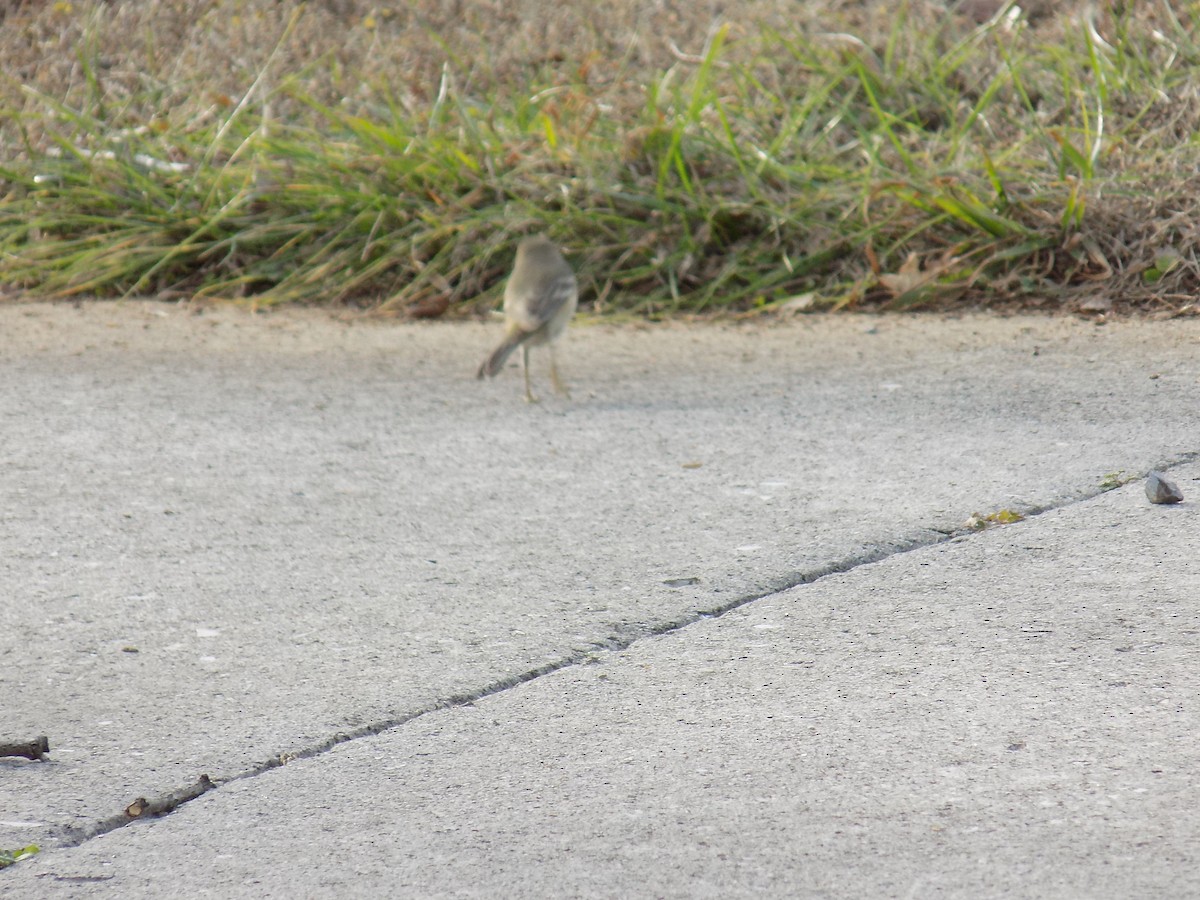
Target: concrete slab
[1009, 714]
[230, 543]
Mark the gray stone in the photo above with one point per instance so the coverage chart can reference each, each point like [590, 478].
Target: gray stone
[1160, 490]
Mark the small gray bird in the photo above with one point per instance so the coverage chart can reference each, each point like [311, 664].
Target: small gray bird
[539, 300]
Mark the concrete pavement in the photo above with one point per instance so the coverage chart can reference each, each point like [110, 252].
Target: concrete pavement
[487, 638]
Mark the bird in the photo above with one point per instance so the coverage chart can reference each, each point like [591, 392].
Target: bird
[539, 300]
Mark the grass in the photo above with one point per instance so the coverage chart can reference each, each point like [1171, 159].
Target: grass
[11, 857]
[328, 153]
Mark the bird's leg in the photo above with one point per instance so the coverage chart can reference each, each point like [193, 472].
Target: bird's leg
[529, 398]
[558, 382]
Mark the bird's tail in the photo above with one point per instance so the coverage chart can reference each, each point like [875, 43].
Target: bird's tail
[500, 355]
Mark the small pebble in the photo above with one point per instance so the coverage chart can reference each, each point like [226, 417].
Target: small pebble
[1159, 490]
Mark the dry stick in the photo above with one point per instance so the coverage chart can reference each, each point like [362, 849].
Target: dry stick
[141, 807]
[35, 749]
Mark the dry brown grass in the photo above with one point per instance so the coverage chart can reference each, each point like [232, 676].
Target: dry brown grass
[183, 53]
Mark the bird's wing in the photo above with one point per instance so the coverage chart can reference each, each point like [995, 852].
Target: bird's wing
[543, 303]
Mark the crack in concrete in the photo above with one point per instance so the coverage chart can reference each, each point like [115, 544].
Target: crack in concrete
[622, 639]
